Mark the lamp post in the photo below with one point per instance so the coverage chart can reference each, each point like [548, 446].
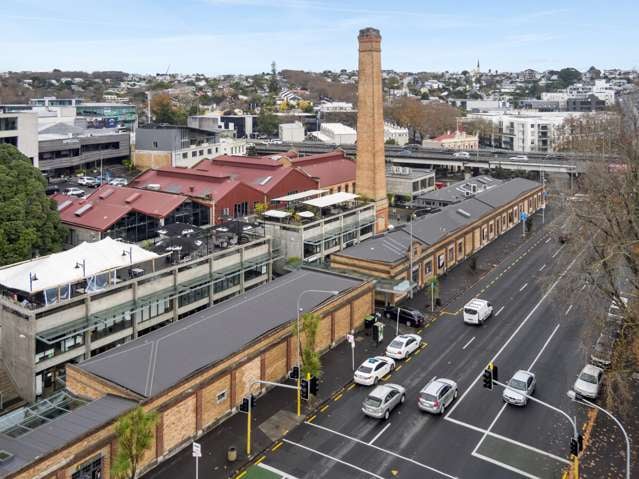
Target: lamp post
[581, 400]
[32, 278]
[299, 362]
[410, 273]
[82, 265]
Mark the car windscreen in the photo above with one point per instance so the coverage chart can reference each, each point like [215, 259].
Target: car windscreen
[589, 378]
[470, 311]
[364, 369]
[428, 397]
[517, 384]
[396, 344]
[373, 401]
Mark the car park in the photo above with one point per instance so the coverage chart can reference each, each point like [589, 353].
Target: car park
[403, 345]
[118, 182]
[477, 311]
[437, 395]
[73, 191]
[588, 382]
[407, 316]
[87, 181]
[383, 399]
[372, 370]
[461, 154]
[521, 385]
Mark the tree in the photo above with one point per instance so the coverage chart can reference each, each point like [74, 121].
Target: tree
[422, 120]
[164, 111]
[267, 123]
[134, 432]
[390, 141]
[311, 361]
[273, 84]
[30, 224]
[568, 76]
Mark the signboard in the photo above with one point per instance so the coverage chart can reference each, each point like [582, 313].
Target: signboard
[351, 339]
[523, 216]
[197, 449]
[401, 287]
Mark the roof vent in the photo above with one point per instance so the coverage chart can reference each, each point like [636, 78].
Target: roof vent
[463, 213]
[132, 198]
[5, 456]
[64, 204]
[83, 209]
[153, 186]
[265, 180]
[106, 193]
[191, 188]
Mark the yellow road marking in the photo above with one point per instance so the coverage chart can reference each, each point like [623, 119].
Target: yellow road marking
[398, 367]
[408, 359]
[324, 408]
[260, 459]
[277, 446]
[312, 418]
[350, 387]
[240, 475]
[338, 397]
[386, 378]
[419, 331]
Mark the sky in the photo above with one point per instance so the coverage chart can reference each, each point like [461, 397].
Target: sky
[245, 36]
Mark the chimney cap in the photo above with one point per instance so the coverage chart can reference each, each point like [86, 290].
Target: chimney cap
[369, 32]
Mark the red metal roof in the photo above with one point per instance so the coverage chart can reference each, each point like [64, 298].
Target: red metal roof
[108, 204]
[331, 168]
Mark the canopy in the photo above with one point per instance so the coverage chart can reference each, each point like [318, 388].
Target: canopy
[60, 268]
[300, 196]
[276, 214]
[306, 214]
[330, 200]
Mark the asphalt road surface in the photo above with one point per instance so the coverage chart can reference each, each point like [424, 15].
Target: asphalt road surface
[535, 326]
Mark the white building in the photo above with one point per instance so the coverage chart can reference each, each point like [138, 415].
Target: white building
[21, 131]
[291, 132]
[189, 156]
[336, 133]
[335, 106]
[395, 133]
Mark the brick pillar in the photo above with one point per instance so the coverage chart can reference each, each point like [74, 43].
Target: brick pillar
[351, 320]
[198, 410]
[112, 452]
[263, 366]
[233, 389]
[159, 436]
[332, 328]
[289, 347]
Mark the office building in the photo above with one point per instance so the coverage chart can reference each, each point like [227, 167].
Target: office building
[398, 134]
[21, 131]
[335, 133]
[405, 183]
[292, 132]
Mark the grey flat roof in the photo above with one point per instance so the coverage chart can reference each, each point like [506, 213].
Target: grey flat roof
[60, 431]
[388, 248]
[455, 193]
[507, 192]
[158, 360]
[413, 174]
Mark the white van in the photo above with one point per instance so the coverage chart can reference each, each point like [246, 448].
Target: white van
[476, 311]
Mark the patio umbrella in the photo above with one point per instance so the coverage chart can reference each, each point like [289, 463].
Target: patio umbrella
[179, 229]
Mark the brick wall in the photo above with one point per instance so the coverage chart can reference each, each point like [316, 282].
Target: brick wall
[178, 423]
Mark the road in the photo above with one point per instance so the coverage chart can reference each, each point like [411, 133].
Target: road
[534, 327]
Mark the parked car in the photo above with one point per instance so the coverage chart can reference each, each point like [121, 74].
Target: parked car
[87, 181]
[589, 381]
[403, 345]
[52, 190]
[73, 191]
[118, 182]
[101, 180]
[407, 316]
[383, 399]
[477, 311]
[437, 395]
[522, 383]
[461, 154]
[602, 352]
[373, 369]
[518, 157]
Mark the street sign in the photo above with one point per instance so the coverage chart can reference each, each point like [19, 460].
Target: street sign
[197, 449]
[523, 216]
[351, 339]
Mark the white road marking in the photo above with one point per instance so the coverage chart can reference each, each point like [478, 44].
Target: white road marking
[379, 433]
[542, 268]
[490, 427]
[284, 475]
[543, 348]
[507, 439]
[357, 468]
[557, 252]
[523, 323]
[399, 456]
[468, 343]
[569, 308]
[499, 310]
[547, 241]
[505, 466]
[583, 287]
[523, 287]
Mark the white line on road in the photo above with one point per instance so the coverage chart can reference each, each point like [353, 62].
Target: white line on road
[399, 456]
[523, 287]
[583, 287]
[499, 310]
[568, 310]
[333, 458]
[542, 268]
[490, 427]
[468, 343]
[557, 252]
[379, 433]
[505, 466]
[282, 474]
[541, 351]
[548, 240]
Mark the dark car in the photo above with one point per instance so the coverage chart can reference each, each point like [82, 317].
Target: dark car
[52, 190]
[407, 316]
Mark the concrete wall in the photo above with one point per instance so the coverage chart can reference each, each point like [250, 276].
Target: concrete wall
[27, 133]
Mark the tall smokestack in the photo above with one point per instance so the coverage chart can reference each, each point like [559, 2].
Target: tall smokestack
[370, 180]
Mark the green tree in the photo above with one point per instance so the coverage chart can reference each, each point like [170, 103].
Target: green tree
[273, 84]
[30, 222]
[311, 361]
[568, 76]
[390, 141]
[134, 432]
[267, 123]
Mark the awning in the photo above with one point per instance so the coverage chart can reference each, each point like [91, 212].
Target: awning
[276, 214]
[300, 196]
[330, 200]
[306, 214]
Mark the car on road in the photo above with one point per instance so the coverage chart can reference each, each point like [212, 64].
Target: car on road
[87, 181]
[118, 182]
[477, 311]
[372, 370]
[403, 345]
[407, 316]
[522, 384]
[589, 381]
[602, 351]
[383, 399]
[461, 154]
[518, 158]
[73, 191]
[437, 395]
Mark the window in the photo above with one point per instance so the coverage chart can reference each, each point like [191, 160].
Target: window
[10, 140]
[193, 154]
[491, 229]
[441, 261]
[339, 188]
[201, 152]
[209, 151]
[185, 156]
[460, 249]
[10, 123]
[240, 209]
[155, 144]
[451, 254]
[221, 397]
[226, 211]
[89, 470]
[428, 267]
[346, 188]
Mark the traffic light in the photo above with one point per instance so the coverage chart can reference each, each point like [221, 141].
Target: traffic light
[488, 378]
[244, 407]
[253, 401]
[314, 386]
[574, 446]
[304, 385]
[495, 371]
[295, 373]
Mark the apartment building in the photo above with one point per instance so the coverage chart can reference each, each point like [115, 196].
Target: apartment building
[21, 131]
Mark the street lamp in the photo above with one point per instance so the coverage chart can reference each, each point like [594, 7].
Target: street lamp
[581, 400]
[410, 274]
[299, 362]
[82, 265]
[32, 278]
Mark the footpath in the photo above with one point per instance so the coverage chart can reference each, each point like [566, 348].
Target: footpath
[277, 407]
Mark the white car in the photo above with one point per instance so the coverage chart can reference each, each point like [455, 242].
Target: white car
[519, 157]
[437, 395]
[118, 182]
[372, 370]
[73, 191]
[403, 345]
[461, 154]
[522, 384]
[589, 381]
[87, 181]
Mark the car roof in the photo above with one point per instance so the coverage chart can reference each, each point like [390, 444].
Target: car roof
[434, 386]
[381, 391]
[590, 369]
[373, 361]
[476, 302]
[522, 375]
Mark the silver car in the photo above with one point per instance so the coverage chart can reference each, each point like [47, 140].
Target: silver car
[438, 394]
[383, 399]
[521, 385]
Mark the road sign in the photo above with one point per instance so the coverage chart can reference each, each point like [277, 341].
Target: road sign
[351, 339]
[523, 216]
[197, 449]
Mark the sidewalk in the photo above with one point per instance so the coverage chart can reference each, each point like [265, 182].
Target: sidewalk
[337, 374]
